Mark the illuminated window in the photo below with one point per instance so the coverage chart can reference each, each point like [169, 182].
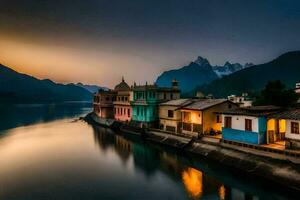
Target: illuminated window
[248, 124]
[295, 127]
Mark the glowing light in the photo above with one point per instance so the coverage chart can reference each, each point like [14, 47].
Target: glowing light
[271, 125]
[192, 180]
[196, 117]
[282, 126]
[222, 192]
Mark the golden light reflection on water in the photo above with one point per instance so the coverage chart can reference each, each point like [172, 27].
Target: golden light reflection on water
[192, 180]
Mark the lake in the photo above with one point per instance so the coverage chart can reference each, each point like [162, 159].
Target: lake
[47, 153]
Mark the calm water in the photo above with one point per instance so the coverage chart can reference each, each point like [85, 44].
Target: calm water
[56, 156]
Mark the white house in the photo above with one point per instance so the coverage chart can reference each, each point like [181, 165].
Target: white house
[291, 119]
[242, 101]
[297, 88]
[247, 124]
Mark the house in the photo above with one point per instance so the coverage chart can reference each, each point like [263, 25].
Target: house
[103, 103]
[247, 124]
[200, 116]
[297, 88]
[287, 124]
[146, 99]
[170, 114]
[122, 107]
[242, 101]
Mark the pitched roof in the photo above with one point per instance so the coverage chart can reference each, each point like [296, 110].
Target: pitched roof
[256, 111]
[293, 114]
[177, 102]
[202, 104]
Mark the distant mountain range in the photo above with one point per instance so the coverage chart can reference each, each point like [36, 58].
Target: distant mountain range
[252, 79]
[22, 88]
[197, 73]
[91, 88]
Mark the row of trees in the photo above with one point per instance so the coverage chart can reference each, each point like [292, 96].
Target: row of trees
[276, 93]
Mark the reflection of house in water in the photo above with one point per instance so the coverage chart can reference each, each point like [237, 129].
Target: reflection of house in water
[192, 180]
[105, 139]
[123, 148]
[146, 159]
[199, 185]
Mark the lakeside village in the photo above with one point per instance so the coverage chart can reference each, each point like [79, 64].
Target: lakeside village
[263, 141]
[233, 120]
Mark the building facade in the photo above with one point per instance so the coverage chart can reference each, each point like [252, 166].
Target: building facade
[200, 116]
[103, 103]
[146, 99]
[242, 101]
[122, 107]
[170, 115]
[247, 125]
[288, 126]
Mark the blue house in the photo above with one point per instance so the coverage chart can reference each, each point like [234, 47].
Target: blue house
[247, 125]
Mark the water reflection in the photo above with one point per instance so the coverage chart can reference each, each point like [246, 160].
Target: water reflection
[192, 180]
[15, 115]
[67, 159]
[150, 160]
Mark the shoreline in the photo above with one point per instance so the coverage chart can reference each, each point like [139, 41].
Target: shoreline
[282, 170]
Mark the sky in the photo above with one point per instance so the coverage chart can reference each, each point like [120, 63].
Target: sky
[99, 41]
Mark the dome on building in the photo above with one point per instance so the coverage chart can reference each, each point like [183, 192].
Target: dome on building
[123, 86]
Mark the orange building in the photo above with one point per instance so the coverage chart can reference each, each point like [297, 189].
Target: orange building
[103, 103]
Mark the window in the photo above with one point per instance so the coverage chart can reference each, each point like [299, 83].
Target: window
[107, 99]
[137, 111]
[186, 116]
[171, 96]
[248, 124]
[165, 96]
[229, 106]
[170, 113]
[128, 112]
[227, 122]
[219, 119]
[295, 127]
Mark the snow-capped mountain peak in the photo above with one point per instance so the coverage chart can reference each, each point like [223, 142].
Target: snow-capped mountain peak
[201, 61]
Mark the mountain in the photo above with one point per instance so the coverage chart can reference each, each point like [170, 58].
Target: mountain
[22, 88]
[229, 68]
[252, 79]
[198, 72]
[91, 88]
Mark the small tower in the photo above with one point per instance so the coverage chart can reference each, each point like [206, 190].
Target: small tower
[175, 84]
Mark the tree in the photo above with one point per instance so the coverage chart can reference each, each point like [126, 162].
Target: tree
[275, 93]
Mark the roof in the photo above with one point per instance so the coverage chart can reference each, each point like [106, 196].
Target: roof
[123, 86]
[293, 114]
[202, 104]
[256, 111]
[177, 102]
[154, 87]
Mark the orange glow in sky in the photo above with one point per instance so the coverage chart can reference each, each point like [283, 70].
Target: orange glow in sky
[77, 63]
